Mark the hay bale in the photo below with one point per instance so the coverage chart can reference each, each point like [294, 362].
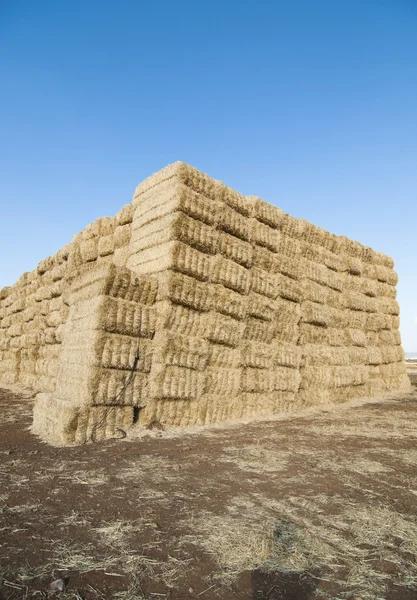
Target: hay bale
[230, 274]
[228, 302]
[125, 215]
[257, 355]
[224, 330]
[235, 249]
[184, 290]
[182, 319]
[232, 222]
[266, 213]
[170, 348]
[172, 382]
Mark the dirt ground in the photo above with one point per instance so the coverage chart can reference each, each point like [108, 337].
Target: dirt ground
[321, 505]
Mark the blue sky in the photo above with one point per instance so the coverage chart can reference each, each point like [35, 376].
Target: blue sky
[310, 105]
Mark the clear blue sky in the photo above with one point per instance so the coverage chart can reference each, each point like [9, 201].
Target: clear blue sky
[311, 105]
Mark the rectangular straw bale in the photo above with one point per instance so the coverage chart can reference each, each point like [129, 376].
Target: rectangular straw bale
[125, 215]
[4, 292]
[45, 383]
[355, 319]
[372, 338]
[266, 213]
[375, 387]
[263, 258]
[261, 307]
[291, 267]
[395, 322]
[313, 234]
[54, 420]
[184, 290]
[119, 352]
[129, 318]
[18, 305]
[355, 337]
[374, 356]
[393, 369]
[173, 382]
[388, 306]
[122, 236]
[228, 302]
[286, 379]
[333, 261]
[293, 227]
[15, 330]
[374, 372]
[106, 245]
[321, 274]
[230, 274]
[223, 356]
[234, 223]
[386, 275]
[264, 236]
[384, 289]
[351, 247]
[316, 376]
[189, 261]
[260, 331]
[287, 312]
[45, 265]
[263, 282]
[389, 338]
[315, 354]
[177, 413]
[177, 226]
[89, 250]
[391, 354]
[225, 330]
[289, 247]
[314, 334]
[182, 320]
[354, 265]
[288, 288]
[178, 198]
[401, 382]
[369, 271]
[316, 314]
[235, 249]
[257, 380]
[377, 322]
[369, 287]
[91, 231]
[357, 301]
[312, 251]
[223, 381]
[315, 396]
[170, 348]
[257, 355]
[111, 383]
[286, 332]
[349, 375]
[54, 319]
[382, 259]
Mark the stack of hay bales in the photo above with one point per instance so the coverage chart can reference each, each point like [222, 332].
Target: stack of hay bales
[110, 320]
[228, 301]
[241, 309]
[33, 311]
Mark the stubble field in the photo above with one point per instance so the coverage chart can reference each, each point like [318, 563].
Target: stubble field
[319, 505]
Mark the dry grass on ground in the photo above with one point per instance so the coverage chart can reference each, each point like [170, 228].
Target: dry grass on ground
[318, 506]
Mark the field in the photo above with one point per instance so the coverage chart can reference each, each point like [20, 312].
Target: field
[320, 505]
